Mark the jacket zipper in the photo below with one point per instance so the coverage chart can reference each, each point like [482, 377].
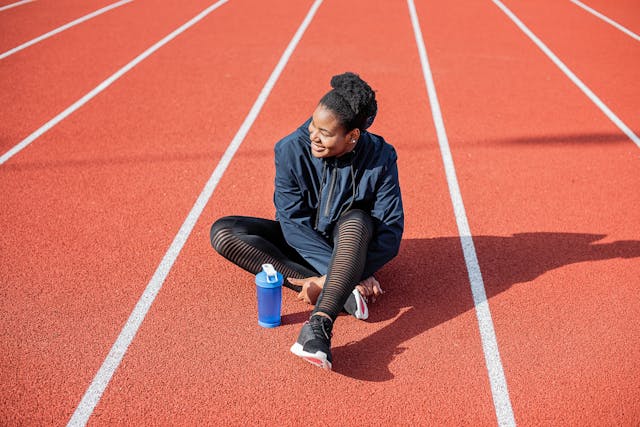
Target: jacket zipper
[324, 165]
[334, 173]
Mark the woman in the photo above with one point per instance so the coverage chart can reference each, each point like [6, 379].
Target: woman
[339, 214]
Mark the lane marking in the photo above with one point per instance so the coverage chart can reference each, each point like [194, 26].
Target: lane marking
[105, 373]
[497, 380]
[19, 3]
[106, 83]
[583, 87]
[62, 28]
[606, 19]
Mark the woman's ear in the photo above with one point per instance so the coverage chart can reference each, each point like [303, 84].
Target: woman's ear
[354, 136]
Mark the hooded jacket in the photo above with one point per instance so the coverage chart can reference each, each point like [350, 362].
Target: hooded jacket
[311, 193]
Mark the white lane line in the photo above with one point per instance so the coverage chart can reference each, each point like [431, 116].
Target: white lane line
[105, 84]
[497, 380]
[98, 385]
[606, 19]
[20, 3]
[583, 87]
[62, 28]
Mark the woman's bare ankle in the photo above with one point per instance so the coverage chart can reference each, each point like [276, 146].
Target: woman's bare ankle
[320, 313]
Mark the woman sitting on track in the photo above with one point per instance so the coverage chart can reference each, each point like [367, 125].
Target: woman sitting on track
[339, 214]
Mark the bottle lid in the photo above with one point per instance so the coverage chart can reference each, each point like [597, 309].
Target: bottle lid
[269, 277]
[272, 274]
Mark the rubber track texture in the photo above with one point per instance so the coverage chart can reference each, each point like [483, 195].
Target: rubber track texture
[548, 184]
[92, 206]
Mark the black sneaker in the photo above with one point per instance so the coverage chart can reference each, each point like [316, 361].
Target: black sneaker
[314, 342]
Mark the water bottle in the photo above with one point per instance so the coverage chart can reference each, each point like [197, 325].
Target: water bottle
[269, 295]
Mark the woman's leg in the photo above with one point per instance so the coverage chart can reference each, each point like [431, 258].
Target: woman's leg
[352, 235]
[351, 240]
[250, 242]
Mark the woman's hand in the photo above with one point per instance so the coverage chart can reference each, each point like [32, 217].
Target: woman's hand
[311, 287]
[370, 288]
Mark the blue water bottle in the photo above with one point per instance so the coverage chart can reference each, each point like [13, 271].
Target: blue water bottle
[269, 295]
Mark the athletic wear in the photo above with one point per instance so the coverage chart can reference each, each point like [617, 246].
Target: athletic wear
[314, 342]
[250, 242]
[341, 217]
[356, 305]
[351, 239]
[312, 193]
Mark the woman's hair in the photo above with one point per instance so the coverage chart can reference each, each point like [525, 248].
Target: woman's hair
[352, 100]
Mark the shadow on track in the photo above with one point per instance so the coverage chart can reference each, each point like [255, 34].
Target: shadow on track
[138, 159]
[579, 139]
[427, 284]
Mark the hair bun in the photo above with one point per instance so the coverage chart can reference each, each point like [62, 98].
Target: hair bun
[359, 95]
[348, 80]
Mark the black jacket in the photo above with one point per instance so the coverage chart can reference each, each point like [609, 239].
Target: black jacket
[312, 193]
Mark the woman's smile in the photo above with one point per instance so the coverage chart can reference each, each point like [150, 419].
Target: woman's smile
[317, 147]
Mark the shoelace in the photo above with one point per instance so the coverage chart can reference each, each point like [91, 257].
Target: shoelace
[318, 328]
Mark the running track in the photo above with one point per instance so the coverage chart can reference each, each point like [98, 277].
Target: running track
[548, 184]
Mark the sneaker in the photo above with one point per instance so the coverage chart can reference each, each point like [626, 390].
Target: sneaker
[356, 306]
[314, 342]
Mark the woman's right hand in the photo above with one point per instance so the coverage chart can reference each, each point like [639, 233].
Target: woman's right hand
[311, 287]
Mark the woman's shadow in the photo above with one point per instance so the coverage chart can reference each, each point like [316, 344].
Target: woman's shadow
[428, 284]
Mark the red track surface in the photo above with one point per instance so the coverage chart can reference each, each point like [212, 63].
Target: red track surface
[30, 20]
[550, 187]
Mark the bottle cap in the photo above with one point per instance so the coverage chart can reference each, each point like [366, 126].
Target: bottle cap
[269, 277]
[270, 272]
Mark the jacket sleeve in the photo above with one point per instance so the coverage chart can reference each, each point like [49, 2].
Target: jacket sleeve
[388, 217]
[295, 216]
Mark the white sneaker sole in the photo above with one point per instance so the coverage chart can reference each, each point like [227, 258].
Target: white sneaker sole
[318, 358]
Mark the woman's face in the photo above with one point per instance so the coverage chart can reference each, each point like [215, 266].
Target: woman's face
[328, 137]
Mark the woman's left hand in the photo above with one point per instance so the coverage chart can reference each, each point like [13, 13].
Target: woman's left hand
[370, 288]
